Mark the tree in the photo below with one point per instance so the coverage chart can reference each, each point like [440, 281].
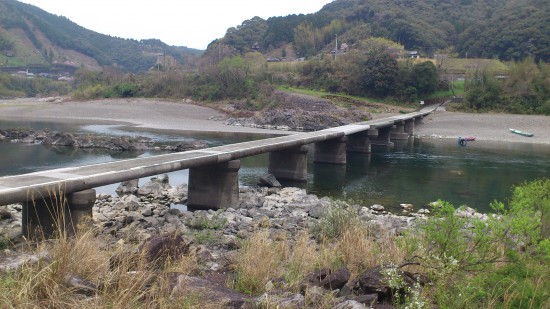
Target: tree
[424, 77]
[483, 91]
[527, 87]
[305, 39]
[380, 74]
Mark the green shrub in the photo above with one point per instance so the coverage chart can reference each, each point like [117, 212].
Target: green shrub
[502, 261]
[3, 244]
[545, 108]
[203, 222]
[334, 221]
[454, 243]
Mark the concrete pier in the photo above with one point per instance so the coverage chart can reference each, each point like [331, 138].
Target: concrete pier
[49, 216]
[80, 208]
[418, 120]
[398, 131]
[383, 138]
[359, 142]
[289, 164]
[409, 126]
[331, 151]
[44, 217]
[214, 186]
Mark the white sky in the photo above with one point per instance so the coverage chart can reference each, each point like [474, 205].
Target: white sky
[191, 23]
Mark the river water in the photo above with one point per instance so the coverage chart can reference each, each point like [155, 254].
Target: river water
[417, 171]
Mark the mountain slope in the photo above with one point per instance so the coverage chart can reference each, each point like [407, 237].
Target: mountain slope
[31, 36]
[504, 29]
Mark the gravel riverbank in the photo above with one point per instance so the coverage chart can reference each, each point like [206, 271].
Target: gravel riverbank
[179, 116]
[486, 127]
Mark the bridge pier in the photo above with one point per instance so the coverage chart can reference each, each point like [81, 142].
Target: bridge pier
[398, 131]
[214, 186]
[418, 120]
[289, 164]
[331, 151]
[80, 207]
[409, 126]
[47, 216]
[359, 142]
[383, 137]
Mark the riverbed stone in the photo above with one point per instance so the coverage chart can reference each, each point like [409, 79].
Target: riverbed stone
[377, 207]
[130, 202]
[128, 187]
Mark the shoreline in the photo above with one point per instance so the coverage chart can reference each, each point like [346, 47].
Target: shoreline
[485, 127]
[176, 116]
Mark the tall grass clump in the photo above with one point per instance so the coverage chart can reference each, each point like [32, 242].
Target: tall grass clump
[360, 249]
[258, 261]
[335, 220]
[44, 284]
[302, 258]
[83, 272]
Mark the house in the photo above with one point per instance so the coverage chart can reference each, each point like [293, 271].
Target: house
[413, 54]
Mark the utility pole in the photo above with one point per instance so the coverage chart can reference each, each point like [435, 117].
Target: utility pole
[336, 46]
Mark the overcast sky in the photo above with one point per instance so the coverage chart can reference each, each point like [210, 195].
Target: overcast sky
[191, 23]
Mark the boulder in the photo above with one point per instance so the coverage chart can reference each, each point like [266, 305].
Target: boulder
[12, 263]
[128, 187]
[130, 202]
[377, 207]
[268, 180]
[337, 279]
[213, 291]
[160, 248]
[80, 285]
[156, 186]
[29, 139]
[60, 139]
[374, 281]
[190, 145]
[177, 194]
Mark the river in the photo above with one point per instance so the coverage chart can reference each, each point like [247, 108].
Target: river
[417, 171]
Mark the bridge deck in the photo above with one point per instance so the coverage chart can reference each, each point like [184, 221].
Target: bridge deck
[26, 187]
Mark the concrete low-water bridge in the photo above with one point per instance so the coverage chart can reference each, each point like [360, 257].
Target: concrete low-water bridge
[68, 193]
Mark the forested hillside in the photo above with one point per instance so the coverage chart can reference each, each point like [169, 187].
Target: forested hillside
[504, 29]
[31, 36]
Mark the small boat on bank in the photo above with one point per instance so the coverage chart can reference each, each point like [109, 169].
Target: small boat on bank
[464, 140]
[521, 132]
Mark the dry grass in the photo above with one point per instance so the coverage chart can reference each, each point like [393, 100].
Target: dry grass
[259, 260]
[360, 250]
[131, 282]
[125, 277]
[304, 257]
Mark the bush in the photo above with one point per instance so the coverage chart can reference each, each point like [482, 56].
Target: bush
[502, 260]
[545, 108]
[335, 221]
